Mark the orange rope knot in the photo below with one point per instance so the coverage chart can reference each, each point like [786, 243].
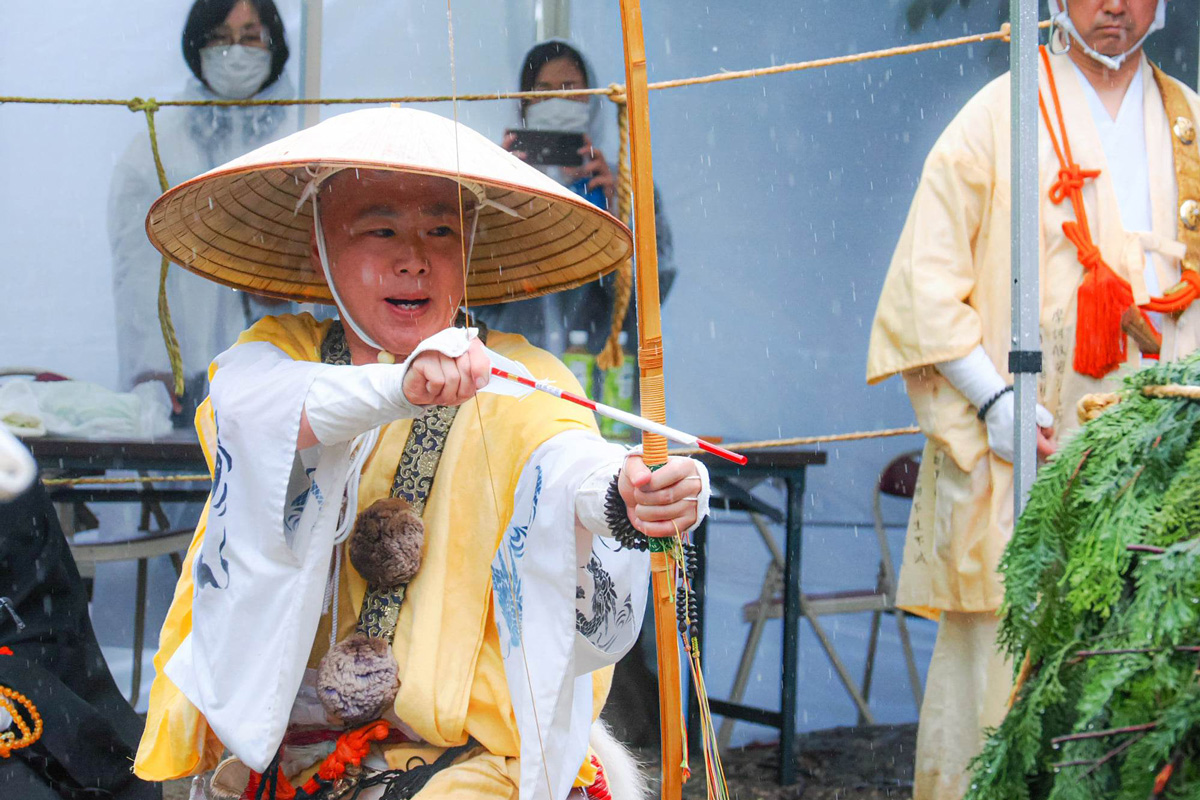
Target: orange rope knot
[283, 787]
[1071, 178]
[10, 699]
[1180, 296]
[352, 747]
[1086, 250]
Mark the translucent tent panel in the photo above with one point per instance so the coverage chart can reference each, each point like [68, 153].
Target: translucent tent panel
[58, 162]
[785, 197]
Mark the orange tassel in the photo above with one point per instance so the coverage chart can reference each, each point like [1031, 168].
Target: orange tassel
[1100, 343]
[1103, 297]
[1160, 780]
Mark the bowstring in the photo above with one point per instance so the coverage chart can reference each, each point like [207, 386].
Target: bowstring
[505, 557]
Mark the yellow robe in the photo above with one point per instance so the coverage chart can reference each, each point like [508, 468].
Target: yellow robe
[947, 290]
[452, 679]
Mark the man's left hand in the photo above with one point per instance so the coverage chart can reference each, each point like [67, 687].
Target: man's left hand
[663, 502]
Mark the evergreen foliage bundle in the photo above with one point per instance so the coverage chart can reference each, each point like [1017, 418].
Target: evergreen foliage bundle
[1111, 633]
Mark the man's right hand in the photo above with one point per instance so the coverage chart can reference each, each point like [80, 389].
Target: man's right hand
[434, 379]
[1001, 424]
[509, 142]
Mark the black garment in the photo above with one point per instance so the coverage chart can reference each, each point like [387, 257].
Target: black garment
[91, 733]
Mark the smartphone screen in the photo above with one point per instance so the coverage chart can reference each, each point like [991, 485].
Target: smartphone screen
[550, 148]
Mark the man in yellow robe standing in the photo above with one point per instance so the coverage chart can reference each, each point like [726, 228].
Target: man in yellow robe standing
[1119, 181]
[408, 574]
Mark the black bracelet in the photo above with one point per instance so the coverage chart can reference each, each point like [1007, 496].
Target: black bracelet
[618, 520]
[986, 407]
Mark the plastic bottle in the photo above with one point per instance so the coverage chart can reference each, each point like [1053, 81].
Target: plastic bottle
[580, 360]
[617, 391]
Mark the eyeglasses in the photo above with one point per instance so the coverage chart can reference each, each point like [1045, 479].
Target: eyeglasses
[249, 37]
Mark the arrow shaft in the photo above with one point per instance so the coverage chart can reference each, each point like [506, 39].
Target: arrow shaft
[620, 415]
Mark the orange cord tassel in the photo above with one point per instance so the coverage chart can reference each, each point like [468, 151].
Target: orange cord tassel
[1160, 780]
[351, 748]
[1100, 343]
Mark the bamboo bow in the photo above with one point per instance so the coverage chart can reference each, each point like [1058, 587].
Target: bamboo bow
[650, 364]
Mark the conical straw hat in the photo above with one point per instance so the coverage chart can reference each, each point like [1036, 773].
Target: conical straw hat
[242, 224]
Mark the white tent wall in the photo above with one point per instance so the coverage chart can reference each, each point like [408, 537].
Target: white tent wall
[58, 162]
[785, 196]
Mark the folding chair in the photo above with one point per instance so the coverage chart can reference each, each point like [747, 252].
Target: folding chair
[898, 479]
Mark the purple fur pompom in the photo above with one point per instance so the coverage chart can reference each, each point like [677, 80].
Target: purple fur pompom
[387, 541]
[358, 679]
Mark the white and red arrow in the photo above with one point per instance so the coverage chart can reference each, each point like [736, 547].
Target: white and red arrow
[632, 420]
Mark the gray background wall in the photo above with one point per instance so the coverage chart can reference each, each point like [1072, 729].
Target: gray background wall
[786, 195]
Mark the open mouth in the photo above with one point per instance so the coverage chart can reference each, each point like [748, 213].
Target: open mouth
[408, 303]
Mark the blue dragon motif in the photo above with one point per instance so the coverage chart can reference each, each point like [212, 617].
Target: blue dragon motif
[204, 574]
[296, 507]
[222, 466]
[506, 580]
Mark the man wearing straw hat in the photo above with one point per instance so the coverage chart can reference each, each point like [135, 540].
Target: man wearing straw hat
[1119, 178]
[406, 575]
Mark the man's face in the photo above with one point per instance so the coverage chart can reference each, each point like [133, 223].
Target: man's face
[1111, 27]
[395, 245]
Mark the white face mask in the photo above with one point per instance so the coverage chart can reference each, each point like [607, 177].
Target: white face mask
[558, 114]
[1061, 19]
[235, 71]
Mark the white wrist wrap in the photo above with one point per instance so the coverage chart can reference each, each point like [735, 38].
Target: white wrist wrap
[344, 401]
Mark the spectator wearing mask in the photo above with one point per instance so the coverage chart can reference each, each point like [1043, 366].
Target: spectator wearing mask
[235, 49]
[546, 321]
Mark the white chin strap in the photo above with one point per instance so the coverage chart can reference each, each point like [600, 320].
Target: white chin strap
[312, 189]
[1061, 20]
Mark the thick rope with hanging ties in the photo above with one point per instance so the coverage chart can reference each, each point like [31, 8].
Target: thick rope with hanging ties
[612, 356]
[616, 89]
[149, 107]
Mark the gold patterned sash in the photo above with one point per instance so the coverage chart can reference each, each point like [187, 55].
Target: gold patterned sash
[413, 482]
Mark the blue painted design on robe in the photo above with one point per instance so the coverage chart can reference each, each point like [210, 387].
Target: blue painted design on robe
[296, 507]
[204, 574]
[506, 578]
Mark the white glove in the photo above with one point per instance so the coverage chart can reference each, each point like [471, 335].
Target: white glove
[343, 402]
[976, 377]
[1001, 425]
[17, 471]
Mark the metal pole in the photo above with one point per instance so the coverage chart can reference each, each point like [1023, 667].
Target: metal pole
[310, 59]
[1025, 357]
[552, 19]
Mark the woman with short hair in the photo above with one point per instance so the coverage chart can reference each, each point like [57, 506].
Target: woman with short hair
[235, 49]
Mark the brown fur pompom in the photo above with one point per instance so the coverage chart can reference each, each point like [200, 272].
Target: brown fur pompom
[358, 679]
[387, 541]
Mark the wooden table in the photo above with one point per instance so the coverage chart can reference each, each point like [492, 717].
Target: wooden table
[176, 453]
[787, 466]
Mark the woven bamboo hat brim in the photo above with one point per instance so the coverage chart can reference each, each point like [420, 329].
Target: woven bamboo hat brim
[239, 224]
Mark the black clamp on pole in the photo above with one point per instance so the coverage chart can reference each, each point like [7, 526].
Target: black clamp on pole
[1024, 361]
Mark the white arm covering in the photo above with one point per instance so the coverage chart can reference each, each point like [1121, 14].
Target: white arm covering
[342, 402]
[345, 401]
[977, 378]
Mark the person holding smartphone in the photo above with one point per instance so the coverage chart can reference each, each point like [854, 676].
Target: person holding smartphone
[569, 139]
